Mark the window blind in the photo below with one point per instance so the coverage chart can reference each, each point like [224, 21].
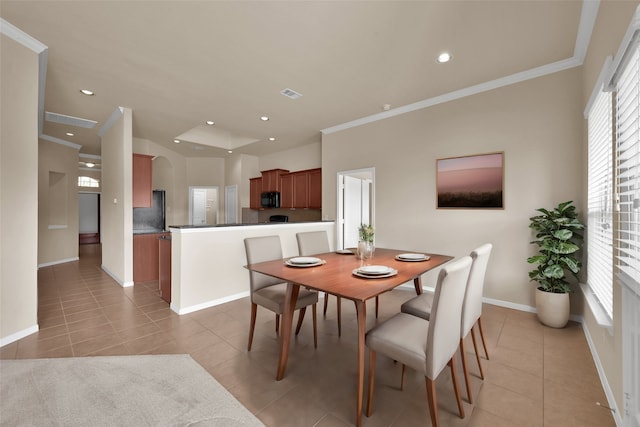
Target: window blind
[628, 167]
[600, 200]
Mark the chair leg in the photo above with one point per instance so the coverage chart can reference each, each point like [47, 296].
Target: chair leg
[454, 378]
[482, 336]
[404, 368]
[326, 302]
[300, 319]
[376, 307]
[465, 371]
[277, 323]
[372, 372]
[252, 324]
[339, 308]
[315, 326]
[432, 399]
[475, 348]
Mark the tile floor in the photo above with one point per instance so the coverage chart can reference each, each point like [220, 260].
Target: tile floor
[537, 376]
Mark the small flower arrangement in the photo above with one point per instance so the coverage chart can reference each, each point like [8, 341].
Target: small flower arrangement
[366, 233]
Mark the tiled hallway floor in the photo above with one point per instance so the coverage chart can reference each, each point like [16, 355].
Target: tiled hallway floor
[536, 376]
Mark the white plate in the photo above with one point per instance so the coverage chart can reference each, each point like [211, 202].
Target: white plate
[391, 272]
[304, 260]
[344, 252]
[374, 270]
[412, 257]
[315, 264]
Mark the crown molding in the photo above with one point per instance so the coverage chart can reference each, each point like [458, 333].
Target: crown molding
[117, 113]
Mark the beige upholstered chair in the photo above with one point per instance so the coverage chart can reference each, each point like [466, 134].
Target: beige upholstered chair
[269, 292]
[471, 311]
[312, 243]
[426, 345]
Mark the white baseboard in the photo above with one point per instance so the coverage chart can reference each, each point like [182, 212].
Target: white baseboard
[603, 378]
[208, 304]
[60, 261]
[116, 278]
[18, 335]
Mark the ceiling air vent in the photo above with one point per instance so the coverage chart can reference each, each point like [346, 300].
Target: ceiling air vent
[290, 93]
[69, 120]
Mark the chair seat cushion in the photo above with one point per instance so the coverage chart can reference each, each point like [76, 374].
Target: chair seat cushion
[418, 306]
[272, 297]
[402, 338]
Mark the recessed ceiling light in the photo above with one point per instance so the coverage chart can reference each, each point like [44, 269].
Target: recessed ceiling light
[272, 138]
[89, 164]
[69, 134]
[211, 122]
[230, 151]
[87, 92]
[444, 57]
[177, 141]
[264, 118]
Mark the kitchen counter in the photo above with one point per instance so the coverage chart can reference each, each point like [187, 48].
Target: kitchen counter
[186, 227]
[149, 231]
[207, 262]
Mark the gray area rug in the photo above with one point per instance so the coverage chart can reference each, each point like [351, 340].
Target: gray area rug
[171, 390]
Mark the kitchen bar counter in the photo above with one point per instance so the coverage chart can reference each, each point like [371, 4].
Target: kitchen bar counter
[207, 262]
[252, 224]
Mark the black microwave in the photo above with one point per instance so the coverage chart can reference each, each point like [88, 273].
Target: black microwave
[270, 199]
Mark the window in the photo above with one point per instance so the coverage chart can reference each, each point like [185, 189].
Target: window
[87, 181]
[600, 200]
[627, 83]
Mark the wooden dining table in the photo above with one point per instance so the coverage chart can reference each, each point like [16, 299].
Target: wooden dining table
[336, 277]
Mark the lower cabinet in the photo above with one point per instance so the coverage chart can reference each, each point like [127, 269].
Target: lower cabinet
[145, 257]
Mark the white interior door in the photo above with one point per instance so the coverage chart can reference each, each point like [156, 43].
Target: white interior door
[88, 213]
[352, 210]
[356, 190]
[231, 204]
[199, 207]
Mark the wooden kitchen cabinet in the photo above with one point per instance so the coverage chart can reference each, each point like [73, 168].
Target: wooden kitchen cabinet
[255, 189]
[142, 180]
[145, 257]
[271, 179]
[300, 189]
[315, 188]
[286, 191]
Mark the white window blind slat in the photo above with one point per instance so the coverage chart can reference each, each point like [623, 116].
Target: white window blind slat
[600, 200]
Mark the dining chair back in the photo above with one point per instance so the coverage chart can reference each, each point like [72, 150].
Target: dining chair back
[270, 292]
[317, 242]
[422, 306]
[426, 345]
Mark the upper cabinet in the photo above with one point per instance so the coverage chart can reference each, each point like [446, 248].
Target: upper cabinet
[255, 188]
[298, 190]
[142, 180]
[271, 179]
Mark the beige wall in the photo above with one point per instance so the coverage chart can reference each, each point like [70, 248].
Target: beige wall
[296, 159]
[116, 207]
[537, 124]
[611, 25]
[55, 244]
[18, 191]
[169, 174]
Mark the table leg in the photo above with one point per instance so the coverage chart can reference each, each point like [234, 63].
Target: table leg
[287, 322]
[417, 282]
[362, 325]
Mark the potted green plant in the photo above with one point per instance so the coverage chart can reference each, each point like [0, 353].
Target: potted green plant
[557, 239]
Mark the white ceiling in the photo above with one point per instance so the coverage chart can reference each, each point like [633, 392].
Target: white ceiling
[177, 64]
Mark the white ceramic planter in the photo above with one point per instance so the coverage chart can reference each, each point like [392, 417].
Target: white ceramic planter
[552, 308]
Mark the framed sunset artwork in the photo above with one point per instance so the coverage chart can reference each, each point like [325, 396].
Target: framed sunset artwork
[471, 182]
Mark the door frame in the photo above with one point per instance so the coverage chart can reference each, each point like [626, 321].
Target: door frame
[364, 173]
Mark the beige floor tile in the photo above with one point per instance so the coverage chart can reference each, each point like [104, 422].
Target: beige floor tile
[535, 375]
